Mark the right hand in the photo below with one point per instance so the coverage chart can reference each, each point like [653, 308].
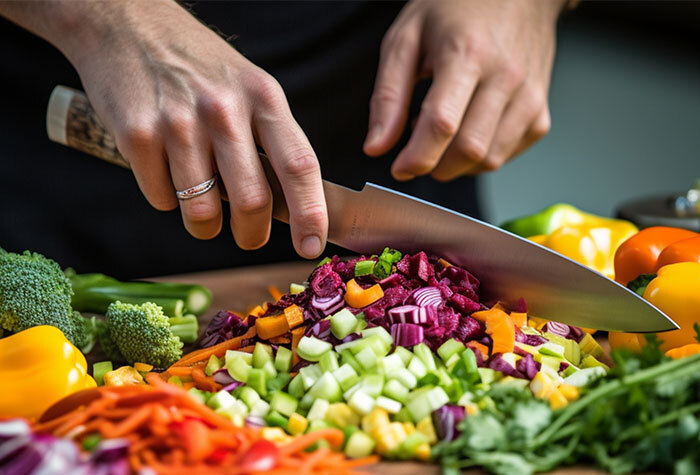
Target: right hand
[183, 105]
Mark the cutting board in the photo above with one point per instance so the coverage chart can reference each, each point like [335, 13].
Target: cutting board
[238, 289]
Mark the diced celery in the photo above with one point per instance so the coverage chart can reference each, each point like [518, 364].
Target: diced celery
[222, 399]
[306, 402]
[257, 380]
[296, 288]
[309, 375]
[571, 369]
[311, 348]
[346, 376]
[391, 363]
[260, 409]
[364, 267]
[381, 332]
[269, 369]
[553, 362]
[572, 352]
[372, 384]
[430, 379]
[422, 351]
[404, 353]
[352, 390]
[395, 390]
[389, 405]
[590, 361]
[444, 378]
[275, 419]
[487, 375]
[361, 402]
[296, 386]
[407, 448]
[318, 410]
[584, 377]
[367, 359]
[329, 361]
[213, 365]
[234, 354]
[417, 367]
[552, 349]
[347, 357]
[343, 323]
[236, 410]
[425, 403]
[375, 342]
[405, 377]
[361, 324]
[452, 361]
[283, 359]
[326, 388]
[249, 396]
[197, 395]
[238, 369]
[449, 348]
[261, 354]
[99, 370]
[360, 444]
[284, 403]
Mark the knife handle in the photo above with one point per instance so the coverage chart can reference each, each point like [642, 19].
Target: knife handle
[72, 121]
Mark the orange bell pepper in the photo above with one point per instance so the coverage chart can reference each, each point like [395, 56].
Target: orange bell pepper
[358, 297]
[640, 253]
[687, 250]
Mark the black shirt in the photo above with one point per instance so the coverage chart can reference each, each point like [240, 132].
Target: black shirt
[91, 215]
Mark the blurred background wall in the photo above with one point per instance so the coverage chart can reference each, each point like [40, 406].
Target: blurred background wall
[625, 106]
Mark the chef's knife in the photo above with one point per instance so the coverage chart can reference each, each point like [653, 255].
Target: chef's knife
[509, 267]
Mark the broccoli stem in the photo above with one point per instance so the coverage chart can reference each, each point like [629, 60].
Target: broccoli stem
[94, 293]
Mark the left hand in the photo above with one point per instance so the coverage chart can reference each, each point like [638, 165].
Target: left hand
[490, 63]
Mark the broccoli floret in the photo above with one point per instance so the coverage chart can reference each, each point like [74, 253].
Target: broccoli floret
[104, 338]
[143, 334]
[34, 291]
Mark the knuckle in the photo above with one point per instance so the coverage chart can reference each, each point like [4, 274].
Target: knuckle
[384, 94]
[254, 201]
[312, 216]
[180, 122]
[137, 134]
[542, 126]
[512, 74]
[267, 90]
[217, 107]
[443, 123]
[472, 148]
[492, 163]
[202, 211]
[300, 164]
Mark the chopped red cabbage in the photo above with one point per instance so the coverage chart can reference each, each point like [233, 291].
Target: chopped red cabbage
[224, 326]
[321, 330]
[535, 340]
[499, 364]
[223, 377]
[528, 366]
[324, 281]
[446, 421]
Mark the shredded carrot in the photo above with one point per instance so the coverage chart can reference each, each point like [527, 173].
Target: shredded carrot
[217, 350]
[204, 382]
[281, 340]
[180, 371]
[275, 293]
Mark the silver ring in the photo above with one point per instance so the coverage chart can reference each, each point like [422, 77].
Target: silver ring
[196, 190]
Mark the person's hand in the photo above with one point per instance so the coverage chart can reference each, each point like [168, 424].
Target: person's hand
[184, 105]
[490, 63]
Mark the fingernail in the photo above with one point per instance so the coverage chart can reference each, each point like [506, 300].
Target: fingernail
[311, 246]
[374, 134]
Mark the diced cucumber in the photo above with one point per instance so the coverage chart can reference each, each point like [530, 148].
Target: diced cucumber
[234, 354]
[360, 444]
[373, 384]
[395, 390]
[249, 396]
[584, 377]
[318, 410]
[236, 410]
[367, 359]
[222, 399]
[261, 354]
[552, 349]
[391, 363]
[257, 380]
[553, 362]
[238, 369]
[422, 351]
[391, 406]
[284, 403]
[309, 375]
[346, 376]
[425, 403]
[380, 332]
[326, 388]
[311, 348]
[101, 368]
[361, 402]
[269, 369]
[296, 386]
[375, 342]
[449, 348]
[343, 323]
[329, 361]
[213, 365]
[417, 367]
[405, 377]
[283, 359]
[275, 419]
[404, 353]
[296, 289]
[306, 402]
[197, 395]
[487, 375]
[260, 409]
[352, 390]
[278, 382]
[347, 357]
[407, 448]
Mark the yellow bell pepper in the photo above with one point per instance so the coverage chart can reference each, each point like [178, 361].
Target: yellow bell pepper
[676, 292]
[39, 366]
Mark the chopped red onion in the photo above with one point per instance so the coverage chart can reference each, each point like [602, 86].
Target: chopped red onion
[407, 334]
[222, 376]
[427, 297]
[406, 314]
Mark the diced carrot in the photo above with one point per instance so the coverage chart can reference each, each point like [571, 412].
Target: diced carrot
[270, 327]
[519, 319]
[297, 334]
[256, 311]
[683, 351]
[294, 315]
[444, 263]
[274, 293]
[502, 331]
[282, 339]
[357, 297]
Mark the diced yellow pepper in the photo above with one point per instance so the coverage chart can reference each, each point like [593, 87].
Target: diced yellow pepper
[542, 386]
[297, 424]
[377, 418]
[569, 391]
[423, 452]
[471, 409]
[342, 415]
[409, 427]
[143, 367]
[536, 322]
[275, 434]
[389, 437]
[237, 420]
[426, 427]
[557, 400]
[123, 376]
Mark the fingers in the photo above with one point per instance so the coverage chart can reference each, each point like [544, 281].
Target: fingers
[190, 162]
[297, 168]
[439, 119]
[237, 159]
[392, 91]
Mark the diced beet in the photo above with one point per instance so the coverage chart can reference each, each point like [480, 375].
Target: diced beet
[460, 277]
[466, 291]
[468, 329]
[324, 281]
[394, 280]
[416, 266]
[464, 304]
[404, 265]
[448, 319]
[443, 285]
[345, 269]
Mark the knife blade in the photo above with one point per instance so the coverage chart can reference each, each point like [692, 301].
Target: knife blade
[508, 266]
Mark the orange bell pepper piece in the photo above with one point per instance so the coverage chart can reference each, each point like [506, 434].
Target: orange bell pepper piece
[502, 331]
[519, 319]
[640, 253]
[270, 327]
[294, 315]
[687, 250]
[683, 351]
[357, 297]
